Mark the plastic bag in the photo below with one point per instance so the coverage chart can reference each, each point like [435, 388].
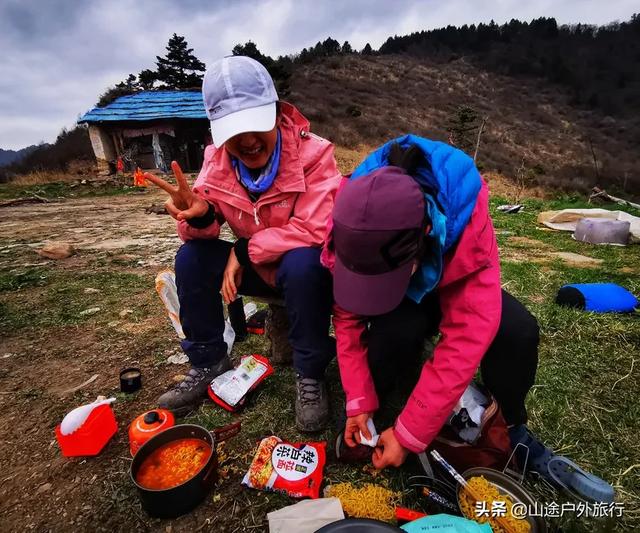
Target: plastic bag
[78, 416]
[168, 292]
[373, 441]
[230, 388]
[295, 469]
[229, 336]
[307, 516]
[466, 418]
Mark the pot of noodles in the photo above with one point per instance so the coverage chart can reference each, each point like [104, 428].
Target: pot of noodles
[501, 493]
[175, 470]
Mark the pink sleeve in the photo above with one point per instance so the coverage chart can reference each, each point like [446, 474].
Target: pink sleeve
[307, 226]
[328, 257]
[352, 359]
[471, 309]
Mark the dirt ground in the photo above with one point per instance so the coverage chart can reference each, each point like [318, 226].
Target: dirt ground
[39, 489]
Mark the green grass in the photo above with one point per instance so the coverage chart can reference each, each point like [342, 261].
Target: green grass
[584, 403]
[41, 298]
[62, 190]
[15, 281]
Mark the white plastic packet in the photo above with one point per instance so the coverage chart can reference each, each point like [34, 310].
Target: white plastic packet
[467, 413]
[306, 516]
[168, 292]
[250, 309]
[234, 384]
[373, 441]
[229, 335]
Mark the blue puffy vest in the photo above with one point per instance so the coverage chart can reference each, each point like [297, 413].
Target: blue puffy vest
[451, 183]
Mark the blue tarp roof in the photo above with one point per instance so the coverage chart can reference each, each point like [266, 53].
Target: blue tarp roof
[150, 105]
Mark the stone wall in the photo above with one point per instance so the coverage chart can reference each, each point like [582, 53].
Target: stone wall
[103, 148]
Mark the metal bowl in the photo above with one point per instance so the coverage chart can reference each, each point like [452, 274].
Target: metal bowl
[508, 487]
[358, 525]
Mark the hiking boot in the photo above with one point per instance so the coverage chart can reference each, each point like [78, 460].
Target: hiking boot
[312, 404]
[189, 393]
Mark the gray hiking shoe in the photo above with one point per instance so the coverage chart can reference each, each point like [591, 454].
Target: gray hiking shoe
[189, 393]
[312, 404]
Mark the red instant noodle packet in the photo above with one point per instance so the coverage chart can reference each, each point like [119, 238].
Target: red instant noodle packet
[293, 468]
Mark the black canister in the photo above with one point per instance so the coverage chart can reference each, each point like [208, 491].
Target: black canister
[130, 380]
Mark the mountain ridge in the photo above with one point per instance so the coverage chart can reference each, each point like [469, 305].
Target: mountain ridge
[7, 157]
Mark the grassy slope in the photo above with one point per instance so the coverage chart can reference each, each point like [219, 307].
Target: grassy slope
[55, 190]
[529, 121]
[583, 403]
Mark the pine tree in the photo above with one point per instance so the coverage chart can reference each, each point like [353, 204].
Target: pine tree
[124, 88]
[346, 48]
[180, 68]
[330, 47]
[463, 128]
[250, 49]
[147, 78]
[367, 51]
[130, 83]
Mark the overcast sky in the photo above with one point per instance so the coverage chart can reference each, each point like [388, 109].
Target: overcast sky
[57, 57]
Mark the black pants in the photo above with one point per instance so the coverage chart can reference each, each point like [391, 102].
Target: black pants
[303, 282]
[508, 369]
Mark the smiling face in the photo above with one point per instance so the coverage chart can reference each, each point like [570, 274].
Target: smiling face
[253, 148]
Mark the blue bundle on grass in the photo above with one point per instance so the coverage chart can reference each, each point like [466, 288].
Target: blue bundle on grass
[597, 297]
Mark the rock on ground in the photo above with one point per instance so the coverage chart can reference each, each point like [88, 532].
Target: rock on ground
[56, 250]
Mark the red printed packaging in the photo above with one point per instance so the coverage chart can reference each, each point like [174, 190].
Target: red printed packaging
[295, 469]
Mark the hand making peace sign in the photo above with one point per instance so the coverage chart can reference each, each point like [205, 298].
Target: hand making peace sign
[183, 204]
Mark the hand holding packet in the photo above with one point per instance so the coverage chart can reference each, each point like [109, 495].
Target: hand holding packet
[373, 441]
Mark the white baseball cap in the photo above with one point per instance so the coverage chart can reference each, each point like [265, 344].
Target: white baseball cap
[239, 96]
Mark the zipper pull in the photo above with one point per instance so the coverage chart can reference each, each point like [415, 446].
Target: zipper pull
[255, 215]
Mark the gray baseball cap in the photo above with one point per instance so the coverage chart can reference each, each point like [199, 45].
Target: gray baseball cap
[239, 96]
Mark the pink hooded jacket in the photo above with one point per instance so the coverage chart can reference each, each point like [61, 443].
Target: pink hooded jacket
[293, 213]
[471, 303]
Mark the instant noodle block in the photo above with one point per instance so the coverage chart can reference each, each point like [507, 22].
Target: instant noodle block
[368, 501]
[293, 468]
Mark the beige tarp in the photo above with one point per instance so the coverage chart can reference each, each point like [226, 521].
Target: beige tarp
[567, 219]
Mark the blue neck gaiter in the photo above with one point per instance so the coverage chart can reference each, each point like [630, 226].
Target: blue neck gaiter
[264, 180]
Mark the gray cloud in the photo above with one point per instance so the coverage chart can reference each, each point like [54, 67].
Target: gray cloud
[59, 56]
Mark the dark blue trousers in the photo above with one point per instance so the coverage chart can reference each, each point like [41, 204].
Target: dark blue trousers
[301, 280]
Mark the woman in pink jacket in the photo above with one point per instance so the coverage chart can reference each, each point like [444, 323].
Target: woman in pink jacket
[413, 253]
[274, 183]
